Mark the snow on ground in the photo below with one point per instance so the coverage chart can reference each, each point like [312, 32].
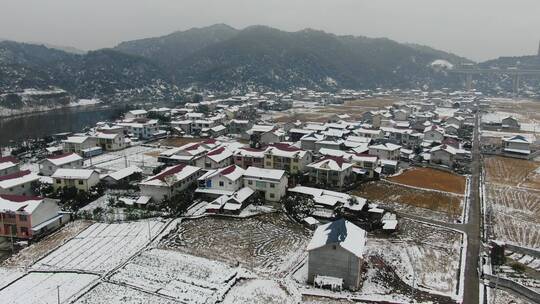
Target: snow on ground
[140, 156]
[499, 116]
[429, 252]
[40, 288]
[107, 293]
[486, 133]
[257, 291]
[101, 247]
[9, 274]
[448, 112]
[84, 102]
[180, 276]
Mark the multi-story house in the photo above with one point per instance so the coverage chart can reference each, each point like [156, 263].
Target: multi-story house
[80, 179]
[172, 180]
[330, 171]
[271, 184]
[52, 163]
[286, 157]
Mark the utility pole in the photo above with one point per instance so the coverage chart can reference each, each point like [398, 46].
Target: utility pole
[58, 293]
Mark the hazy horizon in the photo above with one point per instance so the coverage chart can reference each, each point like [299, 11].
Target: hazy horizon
[478, 30]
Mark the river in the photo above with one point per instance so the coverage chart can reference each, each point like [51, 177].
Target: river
[16, 129]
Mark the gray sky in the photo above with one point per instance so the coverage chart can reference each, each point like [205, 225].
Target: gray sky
[477, 29]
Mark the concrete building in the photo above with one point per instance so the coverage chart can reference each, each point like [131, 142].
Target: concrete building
[271, 184]
[224, 181]
[18, 183]
[70, 160]
[330, 171]
[443, 155]
[81, 179]
[386, 151]
[286, 157]
[517, 144]
[172, 180]
[336, 251]
[76, 144]
[248, 157]
[216, 158]
[8, 165]
[25, 217]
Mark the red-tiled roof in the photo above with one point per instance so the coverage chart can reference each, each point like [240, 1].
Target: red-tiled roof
[6, 159]
[15, 175]
[192, 147]
[339, 160]
[285, 147]
[60, 156]
[216, 151]
[209, 141]
[251, 149]
[228, 170]
[20, 198]
[173, 170]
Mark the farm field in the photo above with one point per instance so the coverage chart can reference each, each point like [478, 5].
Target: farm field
[101, 247]
[183, 277]
[508, 171]
[268, 243]
[107, 293]
[42, 287]
[32, 253]
[429, 178]
[133, 156]
[385, 193]
[257, 291]
[431, 252]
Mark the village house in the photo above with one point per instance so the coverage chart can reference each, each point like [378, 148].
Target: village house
[517, 144]
[135, 114]
[18, 183]
[231, 204]
[455, 120]
[510, 123]
[224, 181]
[26, 217]
[123, 176]
[286, 157]
[186, 154]
[110, 141]
[386, 151]
[8, 165]
[237, 126]
[169, 182]
[246, 157]
[443, 155]
[272, 137]
[369, 133]
[307, 142]
[434, 134]
[330, 171]
[80, 179]
[336, 253]
[52, 163]
[76, 144]
[271, 184]
[141, 128]
[216, 158]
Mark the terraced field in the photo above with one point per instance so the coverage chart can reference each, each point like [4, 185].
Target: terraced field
[508, 171]
[269, 243]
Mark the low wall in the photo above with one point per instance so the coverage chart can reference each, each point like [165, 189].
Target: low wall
[513, 287]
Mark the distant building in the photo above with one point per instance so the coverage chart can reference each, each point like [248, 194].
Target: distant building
[136, 114]
[81, 179]
[70, 160]
[18, 183]
[387, 151]
[170, 181]
[331, 171]
[336, 251]
[8, 165]
[517, 144]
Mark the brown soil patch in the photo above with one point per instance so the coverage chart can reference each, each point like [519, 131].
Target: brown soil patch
[508, 171]
[372, 102]
[316, 117]
[386, 192]
[431, 179]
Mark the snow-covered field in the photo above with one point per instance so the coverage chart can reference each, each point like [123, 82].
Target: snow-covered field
[101, 247]
[269, 243]
[9, 274]
[180, 276]
[140, 156]
[257, 291]
[40, 288]
[425, 253]
[107, 293]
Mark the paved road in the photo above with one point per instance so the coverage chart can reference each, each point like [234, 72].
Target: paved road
[472, 227]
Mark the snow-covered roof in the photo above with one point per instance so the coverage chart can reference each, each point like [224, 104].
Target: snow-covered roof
[517, 139]
[332, 163]
[386, 146]
[17, 178]
[76, 139]
[138, 112]
[63, 159]
[73, 173]
[231, 172]
[219, 154]
[123, 173]
[250, 152]
[264, 174]
[14, 203]
[446, 148]
[171, 175]
[285, 150]
[341, 232]
[8, 162]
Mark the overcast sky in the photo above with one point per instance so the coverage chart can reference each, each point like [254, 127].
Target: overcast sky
[477, 29]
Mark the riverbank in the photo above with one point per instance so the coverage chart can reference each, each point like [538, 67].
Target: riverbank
[7, 113]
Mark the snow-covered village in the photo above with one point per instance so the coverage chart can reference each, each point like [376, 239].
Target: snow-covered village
[269, 152]
[315, 197]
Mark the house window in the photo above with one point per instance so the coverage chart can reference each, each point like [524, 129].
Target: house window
[221, 183]
[24, 230]
[58, 181]
[272, 195]
[22, 217]
[250, 182]
[81, 182]
[272, 185]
